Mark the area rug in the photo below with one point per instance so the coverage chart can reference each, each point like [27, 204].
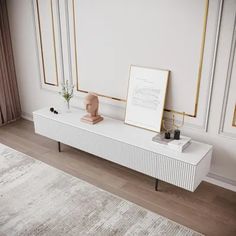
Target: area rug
[37, 199]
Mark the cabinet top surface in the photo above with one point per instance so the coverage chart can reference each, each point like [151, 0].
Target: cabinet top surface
[117, 130]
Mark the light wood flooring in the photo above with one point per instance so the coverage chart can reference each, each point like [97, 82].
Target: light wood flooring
[210, 210]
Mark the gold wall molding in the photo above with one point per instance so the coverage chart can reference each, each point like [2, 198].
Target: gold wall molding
[199, 75]
[41, 44]
[234, 117]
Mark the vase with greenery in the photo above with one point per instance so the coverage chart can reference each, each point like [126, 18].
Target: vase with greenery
[67, 92]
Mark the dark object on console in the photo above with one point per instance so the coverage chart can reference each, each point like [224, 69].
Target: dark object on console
[177, 134]
[59, 146]
[167, 135]
[156, 184]
[53, 110]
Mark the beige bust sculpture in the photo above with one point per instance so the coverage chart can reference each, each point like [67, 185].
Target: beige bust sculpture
[91, 104]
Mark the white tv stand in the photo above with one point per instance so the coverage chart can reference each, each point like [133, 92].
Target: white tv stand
[128, 146]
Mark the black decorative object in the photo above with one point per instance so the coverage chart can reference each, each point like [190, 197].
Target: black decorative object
[167, 135]
[177, 134]
[156, 184]
[53, 110]
[59, 146]
[174, 129]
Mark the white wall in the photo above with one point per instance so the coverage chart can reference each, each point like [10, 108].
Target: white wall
[21, 15]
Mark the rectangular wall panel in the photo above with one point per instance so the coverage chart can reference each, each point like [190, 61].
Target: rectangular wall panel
[49, 46]
[161, 34]
[228, 118]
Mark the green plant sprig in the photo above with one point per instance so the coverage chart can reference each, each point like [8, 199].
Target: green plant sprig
[67, 91]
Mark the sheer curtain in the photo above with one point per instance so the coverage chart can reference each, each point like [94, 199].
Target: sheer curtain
[9, 97]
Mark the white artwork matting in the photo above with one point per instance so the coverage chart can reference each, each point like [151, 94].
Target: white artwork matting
[146, 97]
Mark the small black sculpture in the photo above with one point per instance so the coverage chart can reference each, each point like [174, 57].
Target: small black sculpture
[53, 110]
[167, 135]
[177, 134]
[173, 129]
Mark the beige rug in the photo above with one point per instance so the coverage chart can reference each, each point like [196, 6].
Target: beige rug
[37, 199]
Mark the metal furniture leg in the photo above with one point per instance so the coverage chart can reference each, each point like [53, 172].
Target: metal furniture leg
[156, 185]
[59, 146]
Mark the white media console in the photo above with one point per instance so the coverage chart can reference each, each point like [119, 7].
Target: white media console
[128, 146]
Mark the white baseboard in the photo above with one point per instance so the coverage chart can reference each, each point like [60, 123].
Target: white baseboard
[221, 181]
[27, 116]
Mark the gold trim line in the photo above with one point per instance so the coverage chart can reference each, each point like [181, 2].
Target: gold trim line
[234, 118]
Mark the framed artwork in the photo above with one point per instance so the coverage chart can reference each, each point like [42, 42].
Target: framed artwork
[146, 97]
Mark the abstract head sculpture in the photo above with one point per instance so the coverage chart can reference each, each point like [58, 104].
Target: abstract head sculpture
[91, 104]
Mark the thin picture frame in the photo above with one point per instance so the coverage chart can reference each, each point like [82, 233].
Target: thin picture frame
[146, 97]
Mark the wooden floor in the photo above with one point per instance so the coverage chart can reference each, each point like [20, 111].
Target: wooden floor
[210, 210]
